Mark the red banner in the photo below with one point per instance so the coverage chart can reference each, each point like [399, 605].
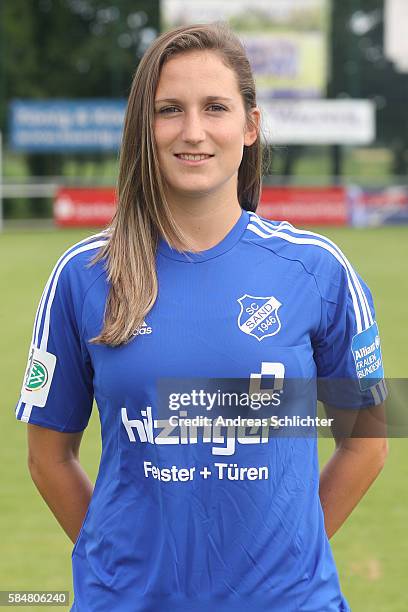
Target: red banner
[84, 206]
[299, 205]
[305, 205]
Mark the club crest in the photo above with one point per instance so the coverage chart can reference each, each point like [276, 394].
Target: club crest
[259, 316]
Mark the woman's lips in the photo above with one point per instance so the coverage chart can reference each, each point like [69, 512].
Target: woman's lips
[194, 162]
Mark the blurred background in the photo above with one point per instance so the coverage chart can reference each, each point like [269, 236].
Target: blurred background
[332, 82]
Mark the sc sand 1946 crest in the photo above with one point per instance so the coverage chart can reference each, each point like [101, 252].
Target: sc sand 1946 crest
[259, 316]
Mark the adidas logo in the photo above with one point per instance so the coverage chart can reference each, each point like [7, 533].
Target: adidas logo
[143, 330]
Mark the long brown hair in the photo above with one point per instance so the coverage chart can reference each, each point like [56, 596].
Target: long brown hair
[143, 213]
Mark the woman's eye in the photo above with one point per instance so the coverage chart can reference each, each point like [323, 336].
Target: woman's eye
[168, 109]
[173, 109]
[217, 107]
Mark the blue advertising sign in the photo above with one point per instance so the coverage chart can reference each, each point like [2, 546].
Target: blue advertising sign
[66, 125]
[376, 206]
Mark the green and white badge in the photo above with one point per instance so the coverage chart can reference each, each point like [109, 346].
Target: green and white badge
[38, 377]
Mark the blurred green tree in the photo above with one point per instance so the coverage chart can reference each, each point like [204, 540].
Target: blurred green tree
[70, 49]
[360, 70]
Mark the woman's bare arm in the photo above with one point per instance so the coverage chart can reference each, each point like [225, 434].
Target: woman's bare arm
[53, 461]
[354, 465]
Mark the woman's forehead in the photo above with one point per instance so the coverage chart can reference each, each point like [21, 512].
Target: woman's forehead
[196, 69]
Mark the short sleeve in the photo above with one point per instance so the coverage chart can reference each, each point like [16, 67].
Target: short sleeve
[347, 349]
[57, 390]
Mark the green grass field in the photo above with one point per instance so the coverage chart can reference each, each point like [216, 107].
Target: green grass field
[371, 549]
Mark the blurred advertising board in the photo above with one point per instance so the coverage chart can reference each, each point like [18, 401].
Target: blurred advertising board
[330, 206]
[286, 40]
[380, 206]
[75, 207]
[319, 122]
[83, 125]
[66, 125]
[305, 205]
[299, 205]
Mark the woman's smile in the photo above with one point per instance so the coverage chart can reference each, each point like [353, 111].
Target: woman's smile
[193, 159]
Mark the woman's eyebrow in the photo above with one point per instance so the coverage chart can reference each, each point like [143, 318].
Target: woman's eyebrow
[206, 99]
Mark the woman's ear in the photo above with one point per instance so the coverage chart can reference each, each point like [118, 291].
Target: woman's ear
[252, 126]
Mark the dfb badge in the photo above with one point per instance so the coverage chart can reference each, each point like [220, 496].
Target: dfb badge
[259, 316]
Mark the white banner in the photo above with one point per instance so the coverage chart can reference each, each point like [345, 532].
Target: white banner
[396, 33]
[319, 121]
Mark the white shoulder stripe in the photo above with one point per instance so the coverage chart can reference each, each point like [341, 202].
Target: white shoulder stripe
[40, 309]
[368, 319]
[376, 395]
[18, 407]
[53, 281]
[384, 390]
[26, 413]
[269, 225]
[86, 247]
[295, 240]
[328, 245]
[379, 392]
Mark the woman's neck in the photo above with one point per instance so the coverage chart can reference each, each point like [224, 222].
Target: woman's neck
[205, 224]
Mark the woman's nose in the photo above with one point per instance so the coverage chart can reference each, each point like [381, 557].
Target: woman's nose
[192, 128]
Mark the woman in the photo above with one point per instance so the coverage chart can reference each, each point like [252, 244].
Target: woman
[188, 283]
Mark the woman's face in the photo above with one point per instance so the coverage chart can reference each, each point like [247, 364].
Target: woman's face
[199, 111]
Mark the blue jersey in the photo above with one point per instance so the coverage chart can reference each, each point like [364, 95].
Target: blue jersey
[191, 517]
